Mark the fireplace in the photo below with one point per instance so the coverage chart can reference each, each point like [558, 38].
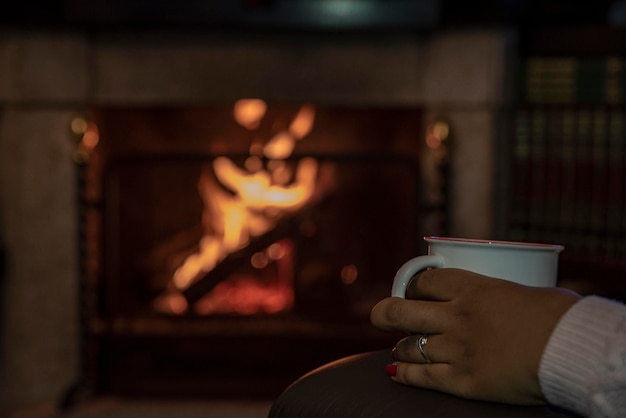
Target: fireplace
[230, 248]
[53, 314]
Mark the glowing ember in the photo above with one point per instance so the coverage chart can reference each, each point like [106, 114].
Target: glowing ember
[247, 295]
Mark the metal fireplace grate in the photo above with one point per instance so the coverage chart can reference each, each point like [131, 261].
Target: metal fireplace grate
[291, 292]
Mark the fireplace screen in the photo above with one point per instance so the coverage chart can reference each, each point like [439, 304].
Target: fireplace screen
[187, 244]
[229, 249]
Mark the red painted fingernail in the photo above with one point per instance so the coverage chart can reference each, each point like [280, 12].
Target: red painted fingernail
[391, 370]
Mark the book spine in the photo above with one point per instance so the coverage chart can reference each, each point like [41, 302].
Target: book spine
[553, 181]
[567, 218]
[599, 179]
[550, 80]
[520, 176]
[615, 217]
[538, 173]
[582, 179]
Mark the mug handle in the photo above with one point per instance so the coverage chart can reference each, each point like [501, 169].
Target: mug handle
[410, 269]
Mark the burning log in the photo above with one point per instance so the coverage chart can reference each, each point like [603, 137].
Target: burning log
[163, 259]
[287, 226]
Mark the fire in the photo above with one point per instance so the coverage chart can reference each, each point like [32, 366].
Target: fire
[246, 295]
[256, 191]
[243, 203]
[249, 112]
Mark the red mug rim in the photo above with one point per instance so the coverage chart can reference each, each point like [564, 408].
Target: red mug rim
[495, 243]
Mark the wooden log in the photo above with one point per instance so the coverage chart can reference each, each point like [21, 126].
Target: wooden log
[285, 227]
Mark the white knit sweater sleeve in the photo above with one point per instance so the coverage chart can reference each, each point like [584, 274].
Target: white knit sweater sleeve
[583, 368]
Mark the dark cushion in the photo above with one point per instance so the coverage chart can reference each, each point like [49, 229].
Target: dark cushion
[357, 386]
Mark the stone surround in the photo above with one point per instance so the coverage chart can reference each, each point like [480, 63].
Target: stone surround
[48, 78]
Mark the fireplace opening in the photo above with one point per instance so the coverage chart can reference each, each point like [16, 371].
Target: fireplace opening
[228, 249]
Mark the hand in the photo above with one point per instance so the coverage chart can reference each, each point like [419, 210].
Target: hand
[485, 336]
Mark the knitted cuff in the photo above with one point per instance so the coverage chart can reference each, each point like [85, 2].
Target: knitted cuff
[575, 362]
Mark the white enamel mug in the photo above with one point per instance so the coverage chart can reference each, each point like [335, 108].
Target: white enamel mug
[521, 262]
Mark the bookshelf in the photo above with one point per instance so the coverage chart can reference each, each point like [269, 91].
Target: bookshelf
[572, 80]
[568, 166]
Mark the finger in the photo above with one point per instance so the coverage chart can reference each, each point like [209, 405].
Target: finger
[442, 284]
[437, 376]
[413, 316]
[435, 349]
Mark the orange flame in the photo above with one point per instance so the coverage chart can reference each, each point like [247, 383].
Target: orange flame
[249, 112]
[242, 203]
